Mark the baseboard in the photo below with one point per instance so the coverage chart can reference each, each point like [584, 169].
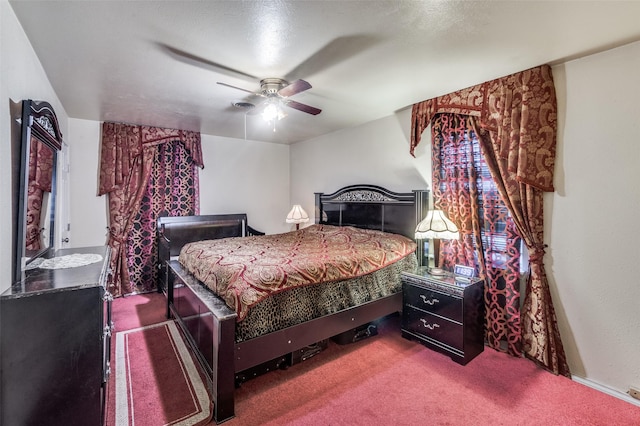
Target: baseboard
[597, 386]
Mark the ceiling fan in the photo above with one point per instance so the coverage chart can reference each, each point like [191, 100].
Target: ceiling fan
[276, 92]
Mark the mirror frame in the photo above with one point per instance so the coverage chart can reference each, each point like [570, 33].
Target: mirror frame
[39, 121]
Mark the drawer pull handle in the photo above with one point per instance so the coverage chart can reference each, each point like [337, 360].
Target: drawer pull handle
[429, 326]
[430, 302]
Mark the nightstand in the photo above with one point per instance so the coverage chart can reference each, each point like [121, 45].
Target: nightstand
[444, 313]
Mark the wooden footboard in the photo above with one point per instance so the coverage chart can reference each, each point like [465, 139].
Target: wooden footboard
[175, 231]
[209, 325]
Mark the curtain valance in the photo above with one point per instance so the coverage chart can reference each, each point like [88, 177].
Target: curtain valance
[123, 144]
[519, 111]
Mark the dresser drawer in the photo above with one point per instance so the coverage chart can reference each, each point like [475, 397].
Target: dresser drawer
[433, 301]
[437, 328]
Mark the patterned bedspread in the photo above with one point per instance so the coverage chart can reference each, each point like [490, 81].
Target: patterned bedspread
[246, 270]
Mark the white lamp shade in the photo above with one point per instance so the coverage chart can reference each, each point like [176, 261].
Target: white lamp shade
[437, 225]
[297, 215]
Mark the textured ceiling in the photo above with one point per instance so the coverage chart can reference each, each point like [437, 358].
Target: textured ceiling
[157, 62]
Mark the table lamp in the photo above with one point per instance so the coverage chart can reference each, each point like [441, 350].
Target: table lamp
[297, 215]
[436, 226]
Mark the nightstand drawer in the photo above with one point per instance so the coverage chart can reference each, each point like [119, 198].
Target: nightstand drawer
[433, 301]
[435, 327]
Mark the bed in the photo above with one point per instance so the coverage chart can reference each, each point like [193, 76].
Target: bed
[221, 346]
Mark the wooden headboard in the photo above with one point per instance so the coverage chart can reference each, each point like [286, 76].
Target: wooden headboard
[363, 206]
[374, 207]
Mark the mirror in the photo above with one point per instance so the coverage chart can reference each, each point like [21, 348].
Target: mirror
[40, 142]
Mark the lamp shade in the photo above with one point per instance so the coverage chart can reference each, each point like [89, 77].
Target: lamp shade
[297, 215]
[437, 225]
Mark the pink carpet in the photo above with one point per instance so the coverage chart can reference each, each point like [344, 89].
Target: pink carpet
[156, 380]
[387, 380]
[139, 310]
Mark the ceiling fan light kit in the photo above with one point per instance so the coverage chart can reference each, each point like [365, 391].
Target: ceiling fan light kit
[273, 110]
[277, 92]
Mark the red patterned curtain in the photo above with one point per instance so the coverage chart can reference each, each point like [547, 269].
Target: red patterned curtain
[39, 182]
[515, 118]
[172, 190]
[126, 162]
[464, 189]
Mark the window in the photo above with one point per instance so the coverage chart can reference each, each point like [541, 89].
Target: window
[466, 192]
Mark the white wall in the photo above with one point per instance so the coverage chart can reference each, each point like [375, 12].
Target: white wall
[593, 269]
[246, 177]
[22, 78]
[592, 219]
[87, 211]
[376, 153]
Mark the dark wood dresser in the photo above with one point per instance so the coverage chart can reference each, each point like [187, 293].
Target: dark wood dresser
[55, 337]
[444, 313]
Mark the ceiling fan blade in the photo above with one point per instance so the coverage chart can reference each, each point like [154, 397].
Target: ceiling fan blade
[293, 88]
[192, 59]
[240, 88]
[302, 107]
[335, 52]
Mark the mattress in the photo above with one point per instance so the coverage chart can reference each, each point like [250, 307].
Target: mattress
[274, 281]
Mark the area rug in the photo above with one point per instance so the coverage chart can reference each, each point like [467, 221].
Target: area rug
[156, 380]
